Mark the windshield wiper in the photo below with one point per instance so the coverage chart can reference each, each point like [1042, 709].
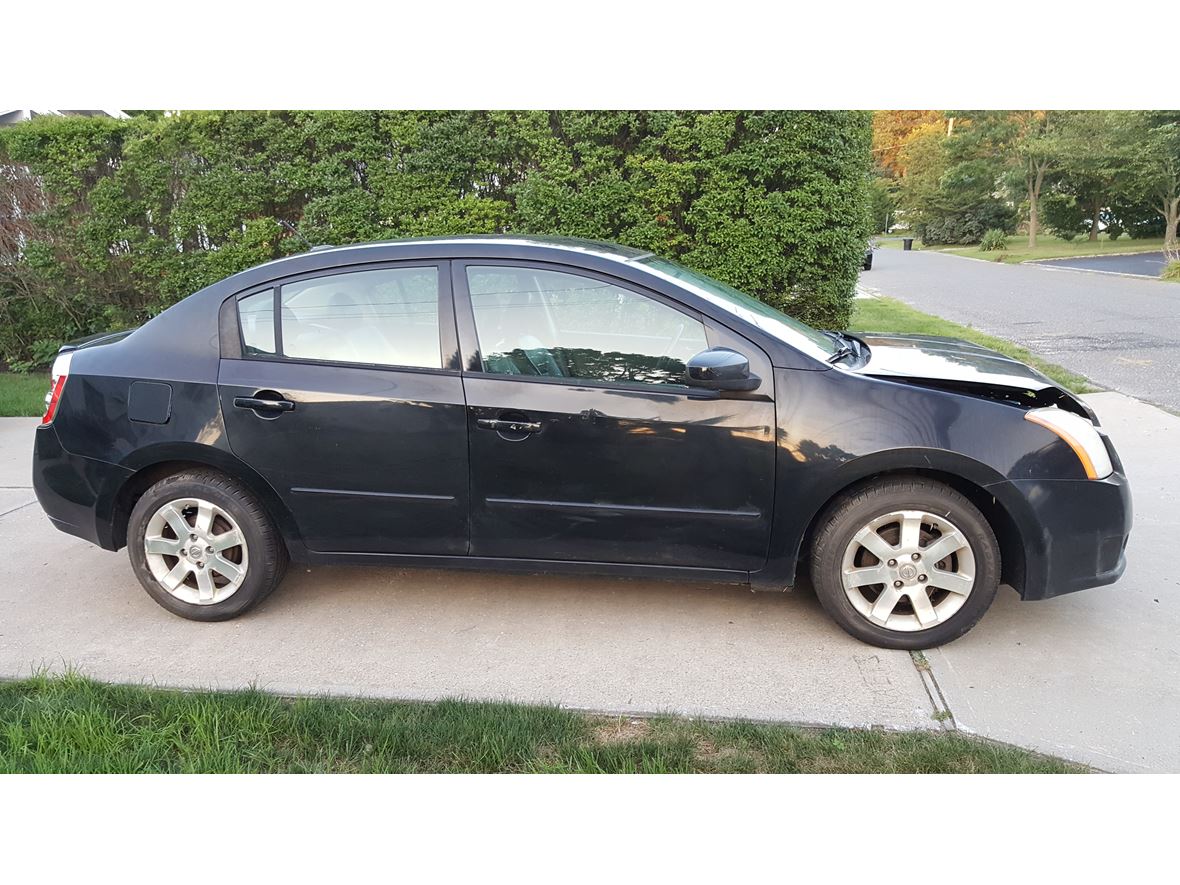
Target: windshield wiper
[849, 346]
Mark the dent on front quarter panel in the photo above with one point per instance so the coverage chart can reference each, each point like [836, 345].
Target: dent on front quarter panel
[1013, 396]
[827, 419]
[836, 429]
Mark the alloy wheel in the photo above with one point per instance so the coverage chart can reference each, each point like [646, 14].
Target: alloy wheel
[908, 570]
[196, 551]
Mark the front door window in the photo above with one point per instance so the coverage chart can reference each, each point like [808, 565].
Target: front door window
[562, 325]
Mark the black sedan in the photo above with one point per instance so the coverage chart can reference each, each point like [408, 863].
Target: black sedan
[552, 405]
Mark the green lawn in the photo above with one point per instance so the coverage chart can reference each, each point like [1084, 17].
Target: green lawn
[1048, 246]
[72, 724]
[893, 241]
[890, 315]
[23, 395]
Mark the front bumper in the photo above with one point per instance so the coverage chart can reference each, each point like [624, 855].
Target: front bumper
[1076, 533]
[76, 493]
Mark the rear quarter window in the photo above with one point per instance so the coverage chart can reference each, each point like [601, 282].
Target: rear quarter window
[256, 315]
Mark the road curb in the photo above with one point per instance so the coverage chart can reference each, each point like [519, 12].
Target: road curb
[1106, 273]
[1097, 255]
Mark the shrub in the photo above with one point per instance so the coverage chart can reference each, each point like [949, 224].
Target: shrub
[1146, 229]
[967, 226]
[1063, 216]
[951, 230]
[1171, 272]
[995, 240]
[1138, 220]
[143, 212]
[1114, 230]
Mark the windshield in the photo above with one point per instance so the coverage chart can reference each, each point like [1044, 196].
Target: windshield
[799, 335]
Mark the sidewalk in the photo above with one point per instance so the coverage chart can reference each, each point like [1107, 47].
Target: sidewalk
[1090, 676]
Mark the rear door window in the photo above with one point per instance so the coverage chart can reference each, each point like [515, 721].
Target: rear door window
[383, 317]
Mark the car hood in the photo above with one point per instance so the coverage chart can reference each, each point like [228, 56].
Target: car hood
[963, 367]
[946, 359]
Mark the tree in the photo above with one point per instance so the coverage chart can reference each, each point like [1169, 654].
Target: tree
[980, 158]
[1151, 142]
[894, 130]
[882, 202]
[1030, 146]
[1091, 162]
[1033, 145]
[1037, 152]
[951, 189]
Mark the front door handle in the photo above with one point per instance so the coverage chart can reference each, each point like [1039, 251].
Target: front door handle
[258, 404]
[505, 426]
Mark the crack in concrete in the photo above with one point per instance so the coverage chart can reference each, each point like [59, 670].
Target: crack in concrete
[18, 507]
[941, 710]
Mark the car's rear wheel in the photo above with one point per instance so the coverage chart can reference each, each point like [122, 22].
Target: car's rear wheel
[203, 547]
[905, 563]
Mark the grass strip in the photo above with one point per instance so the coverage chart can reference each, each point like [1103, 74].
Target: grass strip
[23, 396]
[69, 723]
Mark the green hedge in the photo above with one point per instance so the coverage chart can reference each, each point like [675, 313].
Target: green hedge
[134, 215]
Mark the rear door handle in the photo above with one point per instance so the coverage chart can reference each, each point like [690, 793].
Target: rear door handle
[258, 404]
[504, 426]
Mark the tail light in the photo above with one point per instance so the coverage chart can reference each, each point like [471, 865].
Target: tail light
[61, 370]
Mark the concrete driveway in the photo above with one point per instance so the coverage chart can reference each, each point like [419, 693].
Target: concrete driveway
[1139, 264]
[1121, 332]
[1090, 676]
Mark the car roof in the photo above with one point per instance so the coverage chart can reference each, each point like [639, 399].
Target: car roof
[597, 248]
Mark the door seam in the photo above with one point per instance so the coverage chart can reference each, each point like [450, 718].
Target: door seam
[453, 269]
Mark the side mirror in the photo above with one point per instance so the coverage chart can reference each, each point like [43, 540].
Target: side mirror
[720, 368]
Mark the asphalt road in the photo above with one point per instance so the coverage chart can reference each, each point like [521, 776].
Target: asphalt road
[1090, 676]
[1143, 264]
[1120, 332]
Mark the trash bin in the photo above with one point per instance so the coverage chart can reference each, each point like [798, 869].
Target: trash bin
[907, 243]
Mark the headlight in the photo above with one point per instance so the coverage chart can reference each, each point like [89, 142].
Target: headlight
[1080, 435]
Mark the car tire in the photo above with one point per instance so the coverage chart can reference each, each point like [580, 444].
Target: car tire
[215, 578]
[890, 613]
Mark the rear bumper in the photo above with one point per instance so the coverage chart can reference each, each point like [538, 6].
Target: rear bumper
[1078, 534]
[76, 493]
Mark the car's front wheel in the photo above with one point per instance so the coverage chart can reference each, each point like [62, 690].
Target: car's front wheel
[203, 546]
[905, 563]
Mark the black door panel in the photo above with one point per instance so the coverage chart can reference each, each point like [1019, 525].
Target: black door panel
[650, 473]
[367, 460]
[618, 475]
